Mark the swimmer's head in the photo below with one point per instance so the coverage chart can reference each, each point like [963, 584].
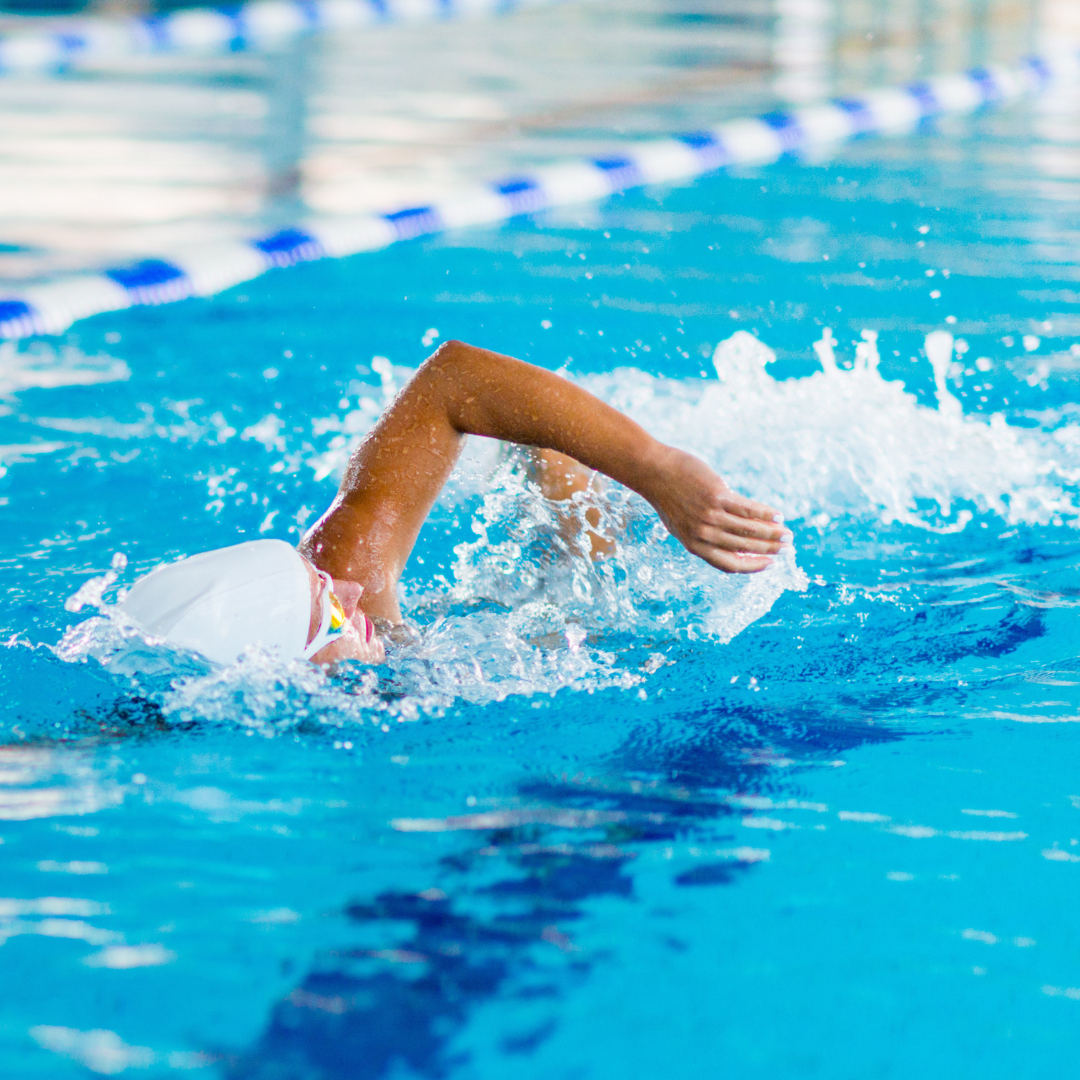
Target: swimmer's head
[260, 593]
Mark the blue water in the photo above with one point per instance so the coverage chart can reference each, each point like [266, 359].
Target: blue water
[619, 821]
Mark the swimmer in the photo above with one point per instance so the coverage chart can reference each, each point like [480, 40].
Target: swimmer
[323, 600]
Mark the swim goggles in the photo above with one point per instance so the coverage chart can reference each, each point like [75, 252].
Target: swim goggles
[332, 622]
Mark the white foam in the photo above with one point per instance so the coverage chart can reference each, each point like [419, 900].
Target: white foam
[849, 443]
[522, 559]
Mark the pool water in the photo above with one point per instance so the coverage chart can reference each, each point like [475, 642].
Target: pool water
[617, 820]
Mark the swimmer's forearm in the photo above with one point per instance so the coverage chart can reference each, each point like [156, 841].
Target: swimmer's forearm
[396, 473]
[485, 393]
[488, 394]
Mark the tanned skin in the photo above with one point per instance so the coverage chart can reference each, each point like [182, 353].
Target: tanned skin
[396, 473]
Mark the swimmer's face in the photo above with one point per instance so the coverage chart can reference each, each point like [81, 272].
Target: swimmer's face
[359, 641]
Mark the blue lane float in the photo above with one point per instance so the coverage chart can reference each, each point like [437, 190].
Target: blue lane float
[52, 307]
[255, 25]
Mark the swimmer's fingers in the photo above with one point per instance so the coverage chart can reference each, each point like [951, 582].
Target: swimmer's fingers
[752, 528]
[736, 544]
[730, 541]
[731, 562]
[731, 533]
[749, 510]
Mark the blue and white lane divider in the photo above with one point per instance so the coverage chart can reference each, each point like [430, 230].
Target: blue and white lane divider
[254, 25]
[51, 308]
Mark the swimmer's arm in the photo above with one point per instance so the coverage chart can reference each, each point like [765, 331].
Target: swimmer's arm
[396, 474]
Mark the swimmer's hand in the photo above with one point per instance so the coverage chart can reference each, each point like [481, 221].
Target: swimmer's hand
[710, 520]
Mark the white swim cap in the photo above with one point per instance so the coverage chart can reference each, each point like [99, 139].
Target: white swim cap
[220, 602]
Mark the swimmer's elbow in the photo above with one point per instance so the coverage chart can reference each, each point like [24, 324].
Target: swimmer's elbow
[449, 379]
[456, 367]
[452, 353]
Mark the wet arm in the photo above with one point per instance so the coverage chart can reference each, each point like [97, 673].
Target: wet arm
[396, 474]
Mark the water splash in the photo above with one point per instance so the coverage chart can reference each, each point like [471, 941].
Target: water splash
[850, 444]
[526, 558]
[91, 591]
[525, 612]
[939, 351]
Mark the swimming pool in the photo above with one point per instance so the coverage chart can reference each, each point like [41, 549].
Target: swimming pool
[625, 821]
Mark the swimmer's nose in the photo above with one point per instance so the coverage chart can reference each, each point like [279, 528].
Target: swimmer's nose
[349, 593]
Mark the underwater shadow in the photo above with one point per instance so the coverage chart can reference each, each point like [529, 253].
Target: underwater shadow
[501, 924]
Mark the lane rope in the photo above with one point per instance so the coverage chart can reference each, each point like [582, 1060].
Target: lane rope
[52, 307]
[259, 24]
